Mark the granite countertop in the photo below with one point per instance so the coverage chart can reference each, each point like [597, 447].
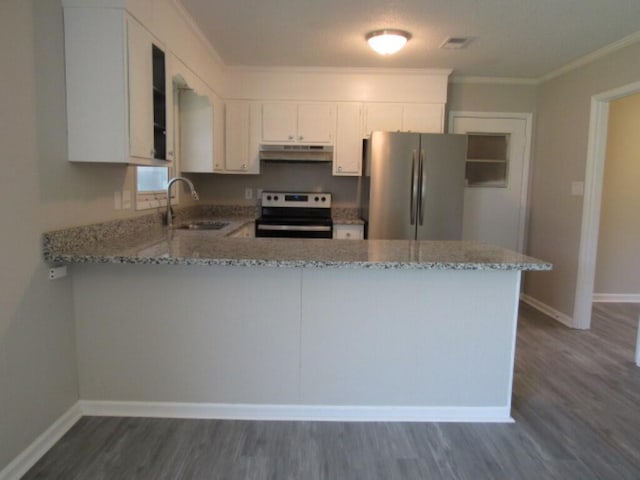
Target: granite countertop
[151, 243]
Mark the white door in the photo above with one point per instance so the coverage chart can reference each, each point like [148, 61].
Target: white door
[494, 210]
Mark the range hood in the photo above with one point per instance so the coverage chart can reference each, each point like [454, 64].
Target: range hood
[296, 153]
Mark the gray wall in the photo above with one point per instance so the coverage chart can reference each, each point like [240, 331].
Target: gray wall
[560, 152]
[484, 97]
[39, 191]
[618, 264]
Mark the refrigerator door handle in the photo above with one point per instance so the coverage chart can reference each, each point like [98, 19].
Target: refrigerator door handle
[414, 190]
[422, 175]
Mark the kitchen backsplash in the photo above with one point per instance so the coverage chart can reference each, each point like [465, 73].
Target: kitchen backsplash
[231, 189]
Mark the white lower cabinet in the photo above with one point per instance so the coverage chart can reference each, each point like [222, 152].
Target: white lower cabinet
[348, 232]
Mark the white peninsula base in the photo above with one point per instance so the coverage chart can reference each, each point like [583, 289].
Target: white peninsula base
[296, 343]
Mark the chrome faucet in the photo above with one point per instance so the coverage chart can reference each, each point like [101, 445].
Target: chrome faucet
[194, 195]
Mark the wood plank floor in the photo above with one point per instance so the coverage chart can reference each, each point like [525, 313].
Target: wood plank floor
[576, 405]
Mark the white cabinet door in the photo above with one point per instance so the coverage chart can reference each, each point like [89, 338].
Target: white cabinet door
[279, 122]
[385, 117]
[347, 155]
[316, 123]
[424, 118]
[240, 157]
[348, 232]
[140, 91]
[306, 123]
[109, 88]
[196, 133]
[398, 117]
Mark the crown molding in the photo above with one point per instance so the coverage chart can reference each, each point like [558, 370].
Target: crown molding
[593, 56]
[343, 70]
[494, 80]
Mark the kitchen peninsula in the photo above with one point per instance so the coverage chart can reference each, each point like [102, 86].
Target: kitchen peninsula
[193, 324]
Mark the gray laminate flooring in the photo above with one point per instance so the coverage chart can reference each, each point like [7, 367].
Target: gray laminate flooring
[576, 405]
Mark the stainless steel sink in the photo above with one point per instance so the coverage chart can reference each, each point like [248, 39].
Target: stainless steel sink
[204, 225]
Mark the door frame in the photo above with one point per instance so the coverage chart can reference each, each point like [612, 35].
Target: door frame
[524, 194]
[594, 179]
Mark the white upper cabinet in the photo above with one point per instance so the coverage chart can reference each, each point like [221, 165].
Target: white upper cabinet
[385, 117]
[241, 148]
[316, 123]
[347, 155]
[397, 117]
[112, 99]
[306, 123]
[424, 118]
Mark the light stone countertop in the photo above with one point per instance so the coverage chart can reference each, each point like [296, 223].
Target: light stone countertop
[159, 245]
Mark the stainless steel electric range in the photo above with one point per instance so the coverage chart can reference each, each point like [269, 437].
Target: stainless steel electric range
[295, 215]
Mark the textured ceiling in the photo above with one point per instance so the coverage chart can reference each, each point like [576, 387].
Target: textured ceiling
[512, 38]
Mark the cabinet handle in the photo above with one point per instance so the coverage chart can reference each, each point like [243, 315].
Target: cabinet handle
[339, 168]
[170, 153]
[290, 137]
[301, 137]
[152, 152]
[244, 166]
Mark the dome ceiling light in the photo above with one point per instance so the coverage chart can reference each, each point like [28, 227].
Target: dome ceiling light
[388, 41]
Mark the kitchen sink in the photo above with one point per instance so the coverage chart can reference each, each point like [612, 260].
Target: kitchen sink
[204, 225]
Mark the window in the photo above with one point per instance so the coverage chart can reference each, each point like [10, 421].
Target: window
[151, 187]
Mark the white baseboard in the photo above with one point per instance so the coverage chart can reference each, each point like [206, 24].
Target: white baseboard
[547, 310]
[28, 458]
[296, 412]
[616, 297]
[23, 462]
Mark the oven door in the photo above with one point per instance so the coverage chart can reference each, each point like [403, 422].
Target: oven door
[294, 228]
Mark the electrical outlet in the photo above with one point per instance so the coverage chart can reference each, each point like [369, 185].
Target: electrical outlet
[57, 272]
[126, 199]
[248, 193]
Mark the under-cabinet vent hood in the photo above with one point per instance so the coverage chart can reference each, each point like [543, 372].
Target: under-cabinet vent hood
[296, 153]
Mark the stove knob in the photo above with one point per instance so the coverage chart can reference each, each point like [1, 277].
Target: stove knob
[276, 198]
[316, 199]
[324, 199]
[269, 198]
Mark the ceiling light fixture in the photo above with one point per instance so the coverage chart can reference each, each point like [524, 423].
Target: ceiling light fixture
[387, 42]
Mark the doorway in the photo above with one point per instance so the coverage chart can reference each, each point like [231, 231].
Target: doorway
[596, 155]
[497, 173]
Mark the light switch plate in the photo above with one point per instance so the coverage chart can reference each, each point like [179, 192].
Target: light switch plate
[577, 188]
[248, 194]
[117, 201]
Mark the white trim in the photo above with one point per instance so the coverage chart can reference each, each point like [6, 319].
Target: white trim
[616, 298]
[547, 310]
[34, 452]
[594, 176]
[296, 412]
[459, 79]
[439, 72]
[593, 56]
[526, 166]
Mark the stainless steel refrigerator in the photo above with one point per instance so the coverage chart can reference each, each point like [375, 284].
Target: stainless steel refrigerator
[413, 185]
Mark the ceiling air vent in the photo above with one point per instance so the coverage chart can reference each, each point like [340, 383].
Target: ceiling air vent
[456, 43]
